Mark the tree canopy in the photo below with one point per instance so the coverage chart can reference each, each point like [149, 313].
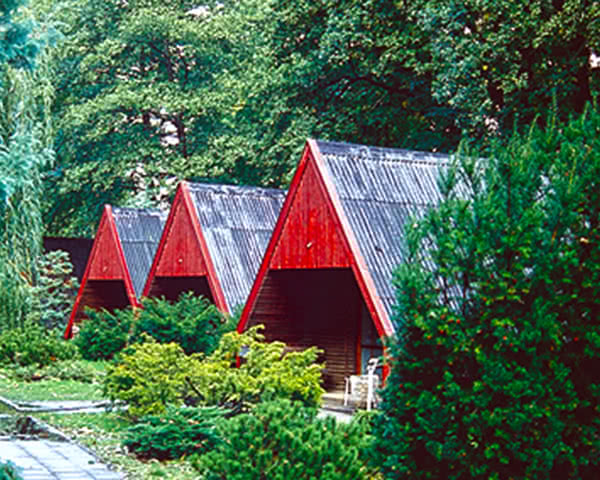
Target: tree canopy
[150, 92]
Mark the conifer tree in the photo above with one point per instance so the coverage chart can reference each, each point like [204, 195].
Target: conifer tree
[495, 373]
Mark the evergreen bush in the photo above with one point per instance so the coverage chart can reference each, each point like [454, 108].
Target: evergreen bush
[55, 290]
[103, 334]
[148, 377]
[32, 344]
[495, 372]
[282, 440]
[176, 433]
[9, 471]
[193, 322]
[265, 372]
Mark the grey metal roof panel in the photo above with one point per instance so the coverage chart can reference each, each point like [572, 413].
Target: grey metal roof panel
[139, 231]
[237, 223]
[381, 189]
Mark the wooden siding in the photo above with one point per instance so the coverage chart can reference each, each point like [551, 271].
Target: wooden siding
[181, 255]
[97, 294]
[310, 238]
[106, 264]
[314, 307]
[172, 287]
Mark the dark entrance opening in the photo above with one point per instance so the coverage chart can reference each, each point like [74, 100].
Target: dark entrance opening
[171, 287]
[323, 308]
[107, 294]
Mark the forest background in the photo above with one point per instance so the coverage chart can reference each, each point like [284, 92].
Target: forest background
[137, 95]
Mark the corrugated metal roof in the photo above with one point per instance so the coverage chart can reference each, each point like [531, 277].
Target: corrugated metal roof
[381, 189]
[139, 231]
[237, 223]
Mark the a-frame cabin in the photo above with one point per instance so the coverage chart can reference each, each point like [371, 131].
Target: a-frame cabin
[213, 242]
[119, 262]
[326, 278]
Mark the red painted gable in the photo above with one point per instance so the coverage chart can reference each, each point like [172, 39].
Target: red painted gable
[310, 237]
[181, 254]
[105, 263]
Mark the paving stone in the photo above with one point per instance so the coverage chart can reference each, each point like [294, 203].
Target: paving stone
[49, 460]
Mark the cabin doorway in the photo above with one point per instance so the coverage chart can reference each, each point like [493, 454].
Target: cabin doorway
[97, 294]
[322, 308]
[172, 287]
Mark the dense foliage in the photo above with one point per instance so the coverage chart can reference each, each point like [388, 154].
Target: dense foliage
[497, 371]
[192, 322]
[8, 471]
[281, 440]
[178, 432]
[55, 290]
[32, 344]
[23, 154]
[229, 91]
[104, 334]
[266, 372]
[149, 376]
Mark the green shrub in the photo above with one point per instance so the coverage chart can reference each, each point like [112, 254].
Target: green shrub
[192, 322]
[103, 334]
[284, 440]
[148, 376]
[9, 471]
[32, 344]
[77, 370]
[55, 290]
[176, 433]
[265, 373]
[496, 372]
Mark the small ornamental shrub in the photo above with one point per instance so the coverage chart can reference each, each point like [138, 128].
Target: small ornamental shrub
[283, 440]
[9, 471]
[148, 376]
[103, 334]
[265, 373]
[76, 370]
[32, 344]
[55, 290]
[176, 433]
[192, 322]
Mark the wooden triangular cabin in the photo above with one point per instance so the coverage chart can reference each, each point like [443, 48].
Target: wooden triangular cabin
[213, 242]
[119, 262]
[326, 278]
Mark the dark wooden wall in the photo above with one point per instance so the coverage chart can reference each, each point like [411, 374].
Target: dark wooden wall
[108, 294]
[314, 307]
[171, 287]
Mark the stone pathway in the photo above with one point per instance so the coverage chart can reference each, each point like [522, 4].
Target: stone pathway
[52, 460]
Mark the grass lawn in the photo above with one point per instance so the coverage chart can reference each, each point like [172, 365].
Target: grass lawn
[102, 433]
[48, 389]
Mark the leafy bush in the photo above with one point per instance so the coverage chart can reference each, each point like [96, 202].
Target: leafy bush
[177, 432]
[32, 344]
[55, 290]
[103, 334]
[9, 471]
[77, 370]
[284, 440]
[148, 376]
[496, 373]
[266, 372]
[192, 322]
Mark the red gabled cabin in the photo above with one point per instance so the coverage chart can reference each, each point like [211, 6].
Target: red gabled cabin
[326, 278]
[213, 242]
[119, 261]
